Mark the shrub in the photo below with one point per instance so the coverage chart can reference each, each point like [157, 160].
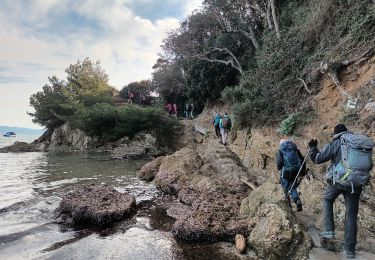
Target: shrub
[111, 123]
[289, 124]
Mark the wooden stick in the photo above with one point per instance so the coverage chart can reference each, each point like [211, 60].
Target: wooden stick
[251, 185]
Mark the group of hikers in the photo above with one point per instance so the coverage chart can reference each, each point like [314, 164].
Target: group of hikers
[351, 162]
[189, 110]
[222, 125]
[173, 111]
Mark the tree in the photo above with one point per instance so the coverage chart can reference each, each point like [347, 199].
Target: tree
[86, 84]
[50, 103]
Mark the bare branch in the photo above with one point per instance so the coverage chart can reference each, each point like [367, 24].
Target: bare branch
[251, 36]
[232, 55]
[229, 62]
[305, 85]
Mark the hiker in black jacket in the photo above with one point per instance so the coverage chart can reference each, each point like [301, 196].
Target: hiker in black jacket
[332, 152]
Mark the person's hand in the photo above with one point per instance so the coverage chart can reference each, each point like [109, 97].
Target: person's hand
[313, 143]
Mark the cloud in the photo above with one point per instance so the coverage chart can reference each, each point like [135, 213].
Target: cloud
[41, 38]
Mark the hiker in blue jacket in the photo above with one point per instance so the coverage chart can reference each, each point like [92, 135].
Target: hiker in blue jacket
[289, 160]
[216, 123]
[332, 152]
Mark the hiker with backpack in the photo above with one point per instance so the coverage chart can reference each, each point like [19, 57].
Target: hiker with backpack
[187, 112]
[191, 110]
[225, 125]
[351, 162]
[174, 110]
[216, 123]
[292, 167]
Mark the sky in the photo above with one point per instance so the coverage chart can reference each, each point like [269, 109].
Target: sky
[40, 38]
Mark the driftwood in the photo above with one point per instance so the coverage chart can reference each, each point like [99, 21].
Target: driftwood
[251, 185]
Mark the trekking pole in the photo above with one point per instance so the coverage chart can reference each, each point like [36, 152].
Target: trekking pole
[299, 171]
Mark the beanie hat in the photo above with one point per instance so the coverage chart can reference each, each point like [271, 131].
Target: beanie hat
[339, 129]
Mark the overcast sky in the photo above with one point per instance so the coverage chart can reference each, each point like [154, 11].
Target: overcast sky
[40, 38]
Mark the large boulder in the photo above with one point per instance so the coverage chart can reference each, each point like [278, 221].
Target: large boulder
[95, 205]
[148, 171]
[275, 232]
[177, 170]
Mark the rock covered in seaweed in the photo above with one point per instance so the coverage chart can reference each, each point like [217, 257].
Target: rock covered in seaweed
[95, 205]
[209, 216]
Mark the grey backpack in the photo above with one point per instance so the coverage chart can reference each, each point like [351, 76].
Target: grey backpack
[356, 161]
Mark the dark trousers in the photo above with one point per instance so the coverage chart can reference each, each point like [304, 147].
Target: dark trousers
[351, 213]
[217, 130]
[287, 184]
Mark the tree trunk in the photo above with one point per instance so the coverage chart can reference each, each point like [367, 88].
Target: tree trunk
[251, 35]
[275, 19]
[268, 16]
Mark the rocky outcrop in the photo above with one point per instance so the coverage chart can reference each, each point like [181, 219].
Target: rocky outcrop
[95, 205]
[68, 139]
[177, 170]
[209, 182]
[18, 147]
[142, 146]
[211, 167]
[148, 171]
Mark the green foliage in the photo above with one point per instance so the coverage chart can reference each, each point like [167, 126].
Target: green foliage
[289, 124]
[49, 102]
[86, 85]
[313, 31]
[350, 117]
[111, 123]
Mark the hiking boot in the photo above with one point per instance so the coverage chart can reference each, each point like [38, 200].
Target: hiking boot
[350, 254]
[299, 205]
[287, 201]
[327, 234]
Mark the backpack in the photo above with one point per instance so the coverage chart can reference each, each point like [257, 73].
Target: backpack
[356, 161]
[291, 161]
[226, 123]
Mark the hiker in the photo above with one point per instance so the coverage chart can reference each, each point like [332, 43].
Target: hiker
[347, 179]
[130, 97]
[174, 110]
[187, 112]
[169, 108]
[191, 110]
[225, 125]
[290, 163]
[216, 123]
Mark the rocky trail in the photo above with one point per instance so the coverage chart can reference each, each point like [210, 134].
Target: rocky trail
[220, 197]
